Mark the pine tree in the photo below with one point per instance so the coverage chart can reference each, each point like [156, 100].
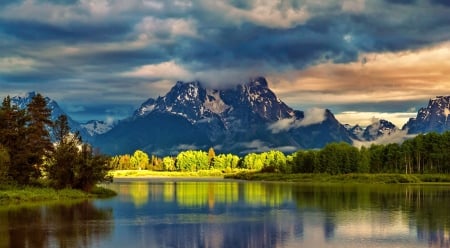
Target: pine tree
[74, 164]
[4, 164]
[38, 138]
[13, 135]
[64, 160]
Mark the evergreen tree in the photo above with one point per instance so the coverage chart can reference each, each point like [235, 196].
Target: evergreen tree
[13, 135]
[4, 164]
[38, 143]
[74, 164]
[64, 160]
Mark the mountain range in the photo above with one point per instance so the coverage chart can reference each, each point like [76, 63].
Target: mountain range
[246, 118]
[87, 130]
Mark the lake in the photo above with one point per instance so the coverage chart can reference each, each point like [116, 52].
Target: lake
[221, 213]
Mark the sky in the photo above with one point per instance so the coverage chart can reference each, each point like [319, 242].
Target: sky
[100, 59]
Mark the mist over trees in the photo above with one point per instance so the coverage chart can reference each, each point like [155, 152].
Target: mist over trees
[27, 153]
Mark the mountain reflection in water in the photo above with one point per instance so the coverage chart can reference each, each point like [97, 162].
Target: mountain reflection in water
[169, 213]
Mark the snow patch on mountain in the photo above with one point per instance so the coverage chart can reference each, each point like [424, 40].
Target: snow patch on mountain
[97, 127]
[433, 118]
[214, 102]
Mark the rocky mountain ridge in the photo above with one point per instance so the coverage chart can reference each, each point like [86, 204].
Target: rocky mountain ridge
[246, 118]
[433, 118]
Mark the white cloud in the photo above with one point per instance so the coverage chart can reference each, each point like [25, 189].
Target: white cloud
[16, 64]
[166, 70]
[253, 146]
[312, 116]
[367, 118]
[267, 13]
[394, 137]
[154, 27]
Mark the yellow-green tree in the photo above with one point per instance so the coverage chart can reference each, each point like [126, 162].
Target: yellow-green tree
[168, 163]
[192, 161]
[139, 160]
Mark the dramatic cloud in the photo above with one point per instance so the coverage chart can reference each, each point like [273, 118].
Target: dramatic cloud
[391, 82]
[312, 116]
[366, 118]
[327, 53]
[395, 137]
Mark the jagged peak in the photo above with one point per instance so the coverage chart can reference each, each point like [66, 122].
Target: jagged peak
[181, 84]
[258, 81]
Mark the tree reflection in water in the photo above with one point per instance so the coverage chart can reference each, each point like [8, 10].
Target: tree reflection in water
[239, 214]
[71, 225]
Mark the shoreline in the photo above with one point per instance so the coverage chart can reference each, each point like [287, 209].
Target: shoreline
[362, 178]
[23, 195]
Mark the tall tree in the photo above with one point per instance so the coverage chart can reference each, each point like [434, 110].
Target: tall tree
[74, 164]
[13, 135]
[63, 162]
[38, 139]
[4, 164]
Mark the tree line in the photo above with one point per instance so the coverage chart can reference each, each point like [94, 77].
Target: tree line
[426, 153]
[34, 149]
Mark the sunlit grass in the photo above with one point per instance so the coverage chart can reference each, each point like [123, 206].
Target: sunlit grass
[343, 178]
[150, 173]
[15, 194]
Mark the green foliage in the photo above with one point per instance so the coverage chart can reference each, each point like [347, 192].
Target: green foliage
[24, 133]
[225, 161]
[139, 160]
[39, 145]
[4, 164]
[192, 161]
[424, 154]
[72, 167]
[168, 164]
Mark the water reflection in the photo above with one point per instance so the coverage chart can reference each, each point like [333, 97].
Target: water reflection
[165, 213]
[72, 225]
[236, 214]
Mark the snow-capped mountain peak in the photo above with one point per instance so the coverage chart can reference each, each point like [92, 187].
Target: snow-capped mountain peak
[434, 117]
[379, 128]
[195, 102]
[376, 130]
[86, 130]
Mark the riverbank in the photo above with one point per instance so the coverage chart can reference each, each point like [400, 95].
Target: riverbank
[14, 194]
[343, 178]
[119, 174]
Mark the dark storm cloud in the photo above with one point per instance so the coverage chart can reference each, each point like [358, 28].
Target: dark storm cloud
[43, 32]
[401, 1]
[100, 42]
[442, 2]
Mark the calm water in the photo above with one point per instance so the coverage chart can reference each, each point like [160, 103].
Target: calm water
[237, 214]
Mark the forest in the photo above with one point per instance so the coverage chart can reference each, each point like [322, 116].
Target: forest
[424, 154]
[36, 151]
